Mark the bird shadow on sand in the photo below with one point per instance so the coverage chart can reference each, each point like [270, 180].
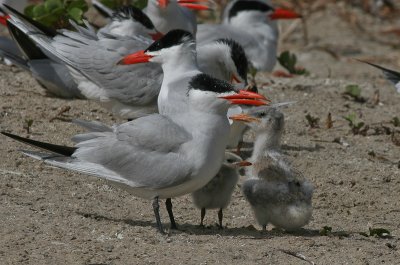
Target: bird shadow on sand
[249, 232]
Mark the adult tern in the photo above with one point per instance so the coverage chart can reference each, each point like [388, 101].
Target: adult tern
[251, 23]
[160, 155]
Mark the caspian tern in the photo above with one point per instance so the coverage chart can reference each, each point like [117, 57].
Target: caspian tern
[160, 155]
[391, 75]
[278, 193]
[128, 91]
[251, 23]
[166, 14]
[217, 193]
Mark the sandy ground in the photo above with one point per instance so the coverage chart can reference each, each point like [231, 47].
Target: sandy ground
[52, 216]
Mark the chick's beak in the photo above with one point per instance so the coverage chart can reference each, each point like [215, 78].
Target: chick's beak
[242, 164]
[281, 13]
[244, 118]
[135, 58]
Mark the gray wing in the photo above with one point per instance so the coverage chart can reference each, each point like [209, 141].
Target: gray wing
[97, 61]
[142, 153]
[258, 191]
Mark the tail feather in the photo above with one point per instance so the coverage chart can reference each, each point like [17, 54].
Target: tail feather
[27, 46]
[46, 30]
[390, 75]
[58, 149]
[9, 50]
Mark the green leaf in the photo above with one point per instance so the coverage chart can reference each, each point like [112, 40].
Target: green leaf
[39, 11]
[51, 5]
[350, 118]
[29, 10]
[326, 230]
[81, 4]
[395, 121]
[353, 91]
[76, 14]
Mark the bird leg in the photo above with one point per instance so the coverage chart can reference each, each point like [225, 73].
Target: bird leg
[203, 213]
[239, 146]
[264, 228]
[156, 208]
[220, 216]
[168, 205]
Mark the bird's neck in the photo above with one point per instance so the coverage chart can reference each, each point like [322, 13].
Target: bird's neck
[265, 142]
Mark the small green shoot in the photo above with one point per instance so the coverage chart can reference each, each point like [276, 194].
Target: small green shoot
[288, 61]
[395, 121]
[355, 126]
[354, 92]
[27, 125]
[57, 13]
[377, 232]
[325, 231]
[312, 121]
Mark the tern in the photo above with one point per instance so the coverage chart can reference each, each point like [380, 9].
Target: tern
[217, 193]
[160, 155]
[251, 23]
[128, 91]
[277, 193]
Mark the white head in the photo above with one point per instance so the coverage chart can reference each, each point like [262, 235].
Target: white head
[224, 59]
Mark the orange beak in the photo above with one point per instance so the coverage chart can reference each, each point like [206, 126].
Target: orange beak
[244, 118]
[193, 4]
[281, 13]
[135, 58]
[244, 97]
[242, 164]
[3, 19]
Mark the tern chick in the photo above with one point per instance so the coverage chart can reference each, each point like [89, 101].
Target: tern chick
[277, 193]
[217, 193]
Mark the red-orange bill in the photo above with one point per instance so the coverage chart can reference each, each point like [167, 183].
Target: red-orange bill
[281, 13]
[135, 58]
[194, 6]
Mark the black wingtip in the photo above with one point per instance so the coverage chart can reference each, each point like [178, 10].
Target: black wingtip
[46, 30]
[102, 9]
[29, 48]
[58, 149]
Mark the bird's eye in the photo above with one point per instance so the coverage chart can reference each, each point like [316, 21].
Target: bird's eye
[230, 161]
[297, 184]
[262, 114]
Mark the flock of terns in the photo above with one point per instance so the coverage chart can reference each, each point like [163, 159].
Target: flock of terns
[182, 87]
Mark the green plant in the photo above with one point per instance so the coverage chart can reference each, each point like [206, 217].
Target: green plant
[395, 121]
[113, 4]
[57, 13]
[312, 121]
[27, 125]
[288, 61]
[356, 126]
[354, 92]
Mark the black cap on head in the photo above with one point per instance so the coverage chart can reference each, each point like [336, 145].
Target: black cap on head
[238, 57]
[205, 82]
[248, 5]
[131, 12]
[172, 38]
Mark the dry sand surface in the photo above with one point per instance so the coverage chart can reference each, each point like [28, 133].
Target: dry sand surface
[53, 216]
